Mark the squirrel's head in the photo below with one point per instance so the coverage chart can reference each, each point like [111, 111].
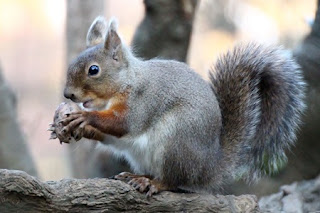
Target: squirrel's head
[94, 76]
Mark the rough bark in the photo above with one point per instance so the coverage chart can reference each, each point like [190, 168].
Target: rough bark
[298, 197]
[166, 29]
[14, 152]
[22, 192]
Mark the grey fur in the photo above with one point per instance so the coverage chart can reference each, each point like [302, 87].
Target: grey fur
[266, 108]
[197, 135]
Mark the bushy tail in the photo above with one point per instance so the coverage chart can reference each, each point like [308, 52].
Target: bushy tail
[261, 96]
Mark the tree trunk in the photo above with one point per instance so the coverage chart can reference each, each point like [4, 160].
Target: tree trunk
[23, 193]
[305, 158]
[166, 29]
[80, 15]
[14, 152]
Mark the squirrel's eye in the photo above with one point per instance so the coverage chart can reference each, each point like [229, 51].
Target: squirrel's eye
[93, 70]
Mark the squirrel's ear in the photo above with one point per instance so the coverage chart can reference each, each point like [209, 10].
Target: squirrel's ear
[97, 31]
[113, 41]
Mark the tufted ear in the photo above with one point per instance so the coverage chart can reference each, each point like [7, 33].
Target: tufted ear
[112, 41]
[97, 31]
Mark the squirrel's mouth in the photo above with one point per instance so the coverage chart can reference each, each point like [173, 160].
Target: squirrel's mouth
[94, 104]
[88, 104]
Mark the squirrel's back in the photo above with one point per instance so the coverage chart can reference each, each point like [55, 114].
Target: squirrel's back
[260, 91]
[163, 85]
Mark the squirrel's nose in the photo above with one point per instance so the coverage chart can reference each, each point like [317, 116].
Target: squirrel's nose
[68, 94]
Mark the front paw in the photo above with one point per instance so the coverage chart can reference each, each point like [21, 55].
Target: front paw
[57, 133]
[56, 127]
[74, 124]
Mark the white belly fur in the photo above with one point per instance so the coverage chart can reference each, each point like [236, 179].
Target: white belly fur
[140, 152]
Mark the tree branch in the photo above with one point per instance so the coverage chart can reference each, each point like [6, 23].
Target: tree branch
[20, 191]
[303, 196]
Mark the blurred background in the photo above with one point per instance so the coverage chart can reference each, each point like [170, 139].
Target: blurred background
[35, 48]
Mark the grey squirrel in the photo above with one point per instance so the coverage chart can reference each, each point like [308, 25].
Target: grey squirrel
[176, 130]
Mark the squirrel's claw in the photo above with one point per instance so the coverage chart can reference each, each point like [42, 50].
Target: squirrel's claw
[152, 190]
[51, 128]
[53, 136]
[78, 133]
[142, 183]
[147, 185]
[60, 128]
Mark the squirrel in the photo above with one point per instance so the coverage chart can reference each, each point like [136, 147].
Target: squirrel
[176, 130]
